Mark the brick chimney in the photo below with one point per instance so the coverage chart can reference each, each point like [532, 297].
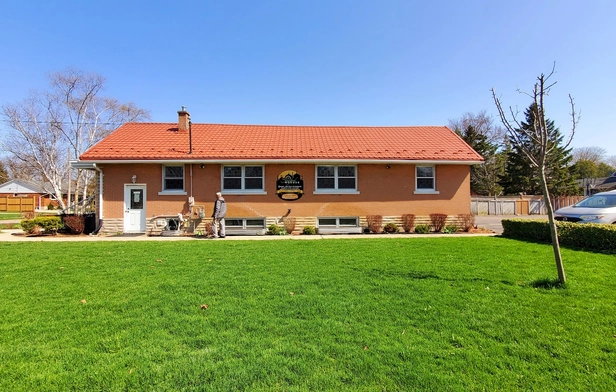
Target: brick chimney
[183, 119]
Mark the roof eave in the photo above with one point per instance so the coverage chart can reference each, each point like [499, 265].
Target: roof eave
[85, 163]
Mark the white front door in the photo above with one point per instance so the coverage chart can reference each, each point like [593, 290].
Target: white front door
[134, 208]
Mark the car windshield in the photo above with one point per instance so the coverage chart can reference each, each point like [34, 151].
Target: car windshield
[598, 201]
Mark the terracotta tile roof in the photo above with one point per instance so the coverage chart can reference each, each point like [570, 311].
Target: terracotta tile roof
[163, 141]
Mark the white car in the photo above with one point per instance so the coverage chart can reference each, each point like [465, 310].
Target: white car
[598, 208]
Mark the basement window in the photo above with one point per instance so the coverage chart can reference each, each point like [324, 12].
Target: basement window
[335, 222]
[245, 223]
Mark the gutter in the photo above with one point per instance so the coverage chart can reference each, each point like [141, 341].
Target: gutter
[295, 161]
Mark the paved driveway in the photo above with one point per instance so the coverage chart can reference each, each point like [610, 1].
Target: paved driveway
[493, 222]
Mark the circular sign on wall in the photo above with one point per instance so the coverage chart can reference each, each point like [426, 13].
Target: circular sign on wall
[290, 185]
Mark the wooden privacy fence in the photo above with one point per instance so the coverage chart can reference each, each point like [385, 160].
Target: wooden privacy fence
[529, 205]
[17, 204]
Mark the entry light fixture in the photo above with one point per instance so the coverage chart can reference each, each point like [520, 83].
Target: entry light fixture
[134, 178]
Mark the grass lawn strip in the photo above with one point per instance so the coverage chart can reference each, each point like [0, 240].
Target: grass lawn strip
[360, 314]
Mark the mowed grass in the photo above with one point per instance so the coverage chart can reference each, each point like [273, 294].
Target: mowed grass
[459, 314]
[10, 215]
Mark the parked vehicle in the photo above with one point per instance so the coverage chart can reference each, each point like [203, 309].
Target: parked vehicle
[598, 208]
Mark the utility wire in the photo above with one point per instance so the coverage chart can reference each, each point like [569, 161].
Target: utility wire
[67, 122]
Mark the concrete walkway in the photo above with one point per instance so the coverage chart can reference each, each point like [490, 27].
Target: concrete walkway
[490, 222]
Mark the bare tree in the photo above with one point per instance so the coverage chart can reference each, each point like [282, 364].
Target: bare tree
[593, 154]
[538, 134]
[4, 174]
[52, 127]
[482, 123]
[18, 170]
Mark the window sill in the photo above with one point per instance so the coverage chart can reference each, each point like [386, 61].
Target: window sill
[172, 193]
[426, 192]
[336, 192]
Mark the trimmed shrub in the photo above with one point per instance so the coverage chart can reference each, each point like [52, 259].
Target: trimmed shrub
[75, 223]
[408, 222]
[48, 224]
[375, 223]
[467, 221]
[50, 206]
[289, 224]
[273, 229]
[391, 228]
[589, 236]
[438, 222]
[309, 230]
[422, 229]
[208, 229]
[450, 229]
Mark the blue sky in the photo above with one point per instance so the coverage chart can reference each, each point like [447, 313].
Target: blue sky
[331, 62]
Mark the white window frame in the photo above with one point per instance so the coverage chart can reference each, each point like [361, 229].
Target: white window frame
[338, 218]
[424, 191]
[165, 191]
[245, 225]
[335, 189]
[243, 190]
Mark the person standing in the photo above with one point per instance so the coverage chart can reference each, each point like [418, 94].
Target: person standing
[218, 217]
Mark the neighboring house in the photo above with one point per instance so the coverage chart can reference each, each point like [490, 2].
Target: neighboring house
[608, 184]
[595, 185]
[330, 177]
[19, 195]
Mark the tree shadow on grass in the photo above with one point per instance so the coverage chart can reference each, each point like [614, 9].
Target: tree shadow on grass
[547, 284]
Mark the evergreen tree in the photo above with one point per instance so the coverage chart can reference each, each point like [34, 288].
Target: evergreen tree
[484, 178]
[521, 176]
[584, 168]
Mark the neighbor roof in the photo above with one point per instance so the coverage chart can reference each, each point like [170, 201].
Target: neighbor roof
[21, 186]
[163, 141]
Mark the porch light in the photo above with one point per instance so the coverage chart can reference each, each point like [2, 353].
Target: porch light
[134, 178]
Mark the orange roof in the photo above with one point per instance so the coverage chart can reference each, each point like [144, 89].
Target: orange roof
[163, 141]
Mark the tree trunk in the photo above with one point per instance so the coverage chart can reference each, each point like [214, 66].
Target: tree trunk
[553, 230]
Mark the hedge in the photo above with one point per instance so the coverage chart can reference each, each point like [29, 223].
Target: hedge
[589, 236]
[49, 224]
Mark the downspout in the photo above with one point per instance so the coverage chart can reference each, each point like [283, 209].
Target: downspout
[100, 199]
[190, 136]
[191, 199]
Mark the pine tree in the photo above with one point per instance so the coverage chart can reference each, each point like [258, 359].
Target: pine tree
[523, 177]
[483, 177]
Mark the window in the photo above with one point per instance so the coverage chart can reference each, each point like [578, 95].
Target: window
[425, 179]
[246, 223]
[338, 222]
[242, 178]
[173, 178]
[336, 178]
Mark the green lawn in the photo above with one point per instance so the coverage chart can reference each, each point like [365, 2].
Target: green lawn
[453, 313]
[10, 215]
